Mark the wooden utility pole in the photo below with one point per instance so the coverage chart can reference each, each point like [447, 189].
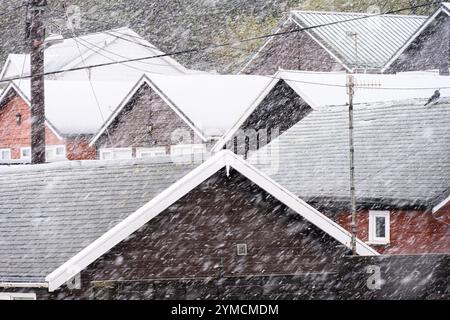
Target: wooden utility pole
[351, 92]
[37, 37]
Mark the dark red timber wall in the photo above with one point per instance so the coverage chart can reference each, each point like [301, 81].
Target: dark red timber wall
[146, 121]
[292, 51]
[189, 251]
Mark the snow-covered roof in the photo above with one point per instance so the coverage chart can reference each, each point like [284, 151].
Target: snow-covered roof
[379, 37]
[210, 103]
[322, 89]
[401, 154]
[98, 48]
[77, 211]
[72, 107]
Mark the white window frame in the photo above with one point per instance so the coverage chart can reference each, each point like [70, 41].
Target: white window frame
[154, 152]
[21, 153]
[17, 296]
[102, 151]
[373, 215]
[54, 156]
[9, 152]
[191, 147]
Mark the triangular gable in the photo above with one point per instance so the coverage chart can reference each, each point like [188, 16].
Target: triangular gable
[145, 80]
[153, 208]
[292, 26]
[444, 8]
[13, 88]
[278, 77]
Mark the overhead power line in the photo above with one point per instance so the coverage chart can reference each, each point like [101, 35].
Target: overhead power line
[181, 52]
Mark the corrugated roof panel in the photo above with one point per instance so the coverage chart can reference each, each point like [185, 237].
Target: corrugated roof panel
[379, 37]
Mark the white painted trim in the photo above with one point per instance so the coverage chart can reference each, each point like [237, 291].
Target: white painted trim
[191, 146]
[146, 80]
[13, 86]
[279, 76]
[230, 132]
[151, 150]
[9, 151]
[441, 204]
[112, 150]
[5, 67]
[412, 38]
[17, 296]
[23, 285]
[177, 190]
[373, 214]
[21, 151]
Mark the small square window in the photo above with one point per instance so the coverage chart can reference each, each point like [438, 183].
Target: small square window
[5, 154]
[25, 153]
[379, 227]
[60, 151]
[241, 249]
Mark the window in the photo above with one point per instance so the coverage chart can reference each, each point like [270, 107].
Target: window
[17, 296]
[5, 154]
[379, 227]
[150, 152]
[186, 149]
[25, 153]
[115, 153]
[241, 249]
[55, 153]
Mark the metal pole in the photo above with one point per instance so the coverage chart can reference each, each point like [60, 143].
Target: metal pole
[37, 37]
[351, 92]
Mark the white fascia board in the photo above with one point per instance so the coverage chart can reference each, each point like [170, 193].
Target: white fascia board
[5, 67]
[176, 109]
[179, 189]
[323, 46]
[135, 221]
[410, 40]
[119, 108]
[13, 86]
[299, 206]
[309, 100]
[441, 204]
[23, 285]
[229, 134]
[145, 80]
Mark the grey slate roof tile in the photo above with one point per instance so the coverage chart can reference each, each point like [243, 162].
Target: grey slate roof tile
[48, 215]
[402, 153]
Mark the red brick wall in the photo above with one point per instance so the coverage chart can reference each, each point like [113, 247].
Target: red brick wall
[14, 136]
[78, 149]
[411, 232]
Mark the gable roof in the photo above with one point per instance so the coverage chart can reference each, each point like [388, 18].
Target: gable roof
[107, 46]
[379, 37]
[97, 206]
[444, 8]
[320, 89]
[71, 106]
[209, 104]
[401, 154]
[51, 212]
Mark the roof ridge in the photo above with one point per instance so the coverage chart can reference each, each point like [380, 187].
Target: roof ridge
[411, 16]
